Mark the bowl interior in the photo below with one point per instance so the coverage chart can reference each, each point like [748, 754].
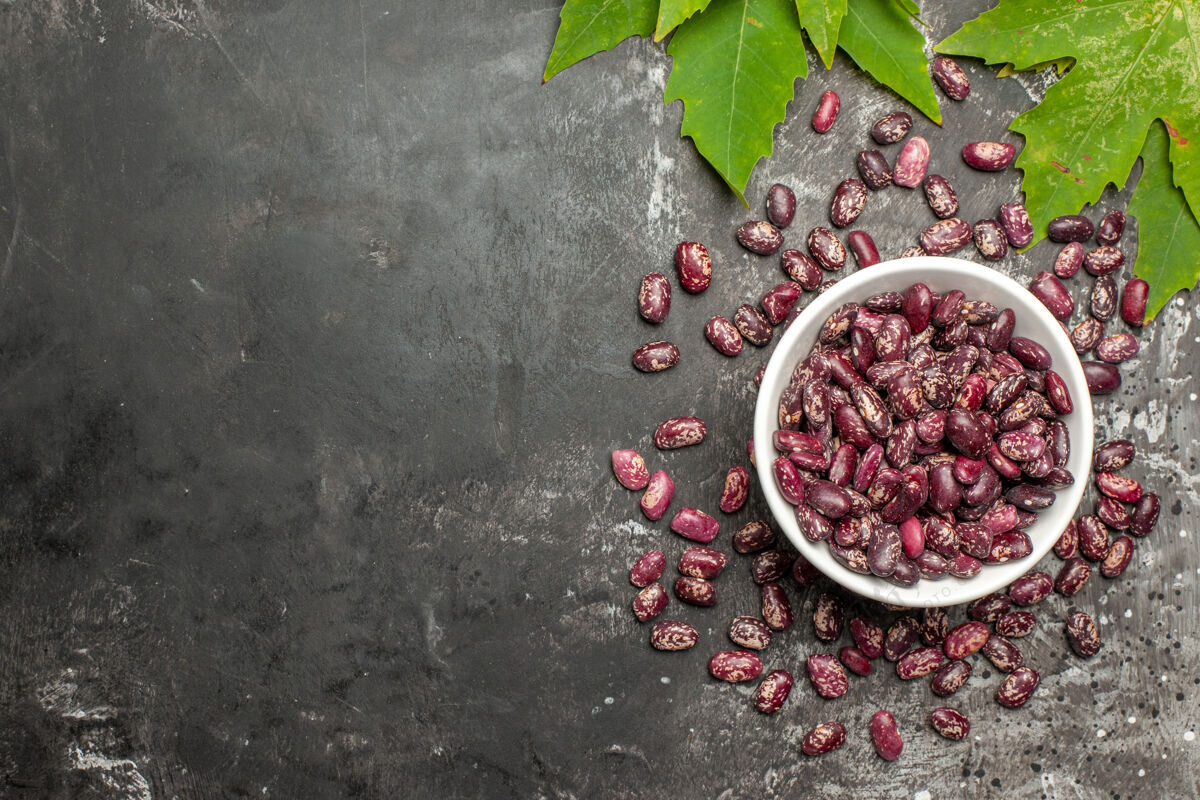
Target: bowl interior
[1032, 320]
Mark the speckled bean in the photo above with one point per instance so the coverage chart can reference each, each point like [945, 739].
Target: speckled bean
[950, 76]
[912, 163]
[891, 127]
[1017, 226]
[827, 675]
[1070, 228]
[702, 562]
[650, 602]
[826, 737]
[679, 432]
[735, 666]
[827, 111]
[1082, 635]
[827, 249]
[658, 495]
[673, 635]
[773, 692]
[950, 723]
[693, 266]
[988, 156]
[656, 356]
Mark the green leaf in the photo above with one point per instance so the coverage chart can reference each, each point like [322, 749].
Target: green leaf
[910, 6]
[822, 20]
[1135, 60]
[1168, 236]
[589, 26]
[735, 67]
[672, 13]
[881, 39]
[1061, 65]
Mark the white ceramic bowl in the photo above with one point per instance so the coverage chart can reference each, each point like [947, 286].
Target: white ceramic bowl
[1032, 320]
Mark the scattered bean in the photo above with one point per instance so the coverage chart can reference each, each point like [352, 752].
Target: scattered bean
[781, 205]
[694, 266]
[672, 634]
[656, 356]
[824, 738]
[773, 692]
[885, 735]
[891, 127]
[989, 156]
[1070, 228]
[827, 111]
[658, 495]
[759, 236]
[735, 666]
[1082, 635]
[648, 568]
[950, 76]
[912, 163]
[650, 602]
[950, 723]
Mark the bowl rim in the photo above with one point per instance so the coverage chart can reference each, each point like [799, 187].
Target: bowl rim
[937, 272]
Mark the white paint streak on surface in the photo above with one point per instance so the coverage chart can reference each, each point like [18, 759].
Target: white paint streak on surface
[119, 775]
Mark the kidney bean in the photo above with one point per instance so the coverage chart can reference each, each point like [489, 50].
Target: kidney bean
[912, 163]
[990, 239]
[999, 518]
[989, 608]
[1104, 260]
[1018, 687]
[940, 195]
[654, 297]
[1112, 513]
[801, 268]
[1093, 537]
[827, 111]
[1014, 625]
[1031, 589]
[1067, 545]
[1017, 227]
[874, 169]
[824, 738]
[750, 632]
[900, 638]
[1083, 635]
[1086, 334]
[1113, 455]
[672, 634]
[862, 349]
[788, 479]
[1060, 400]
[988, 156]
[1111, 227]
[650, 602]
[735, 666]
[1003, 654]
[696, 591]
[779, 301]
[814, 526]
[1054, 296]
[1101, 378]
[736, 489]
[702, 562]
[950, 723]
[691, 523]
[781, 205]
[966, 434]
[965, 639]
[679, 432]
[950, 76]
[891, 127]
[773, 692]
[770, 566]
[867, 635]
[1021, 446]
[964, 566]
[831, 500]
[1145, 515]
[1069, 260]
[759, 236]
[796, 441]
[946, 236]
[1119, 487]
[1005, 391]
[931, 429]
[749, 322]
[1117, 348]
[694, 266]
[1120, 552]
[827, 618]
[848, 202]
[1104, 298]
[776, 608]
[1029, 497]
[950, 677]
[885, 735]
[722, 335]
[648, 568]
[1133, 302]
[883, 550]
[1070, 228]
[1001, 464]
[854, 660]
[919, 663]
[658, 495]
[826, 249]
[947, 309]
[827, 676]
[864, 249]
[630, 469]
[1029, 352]
[959, 363]
[656, 356]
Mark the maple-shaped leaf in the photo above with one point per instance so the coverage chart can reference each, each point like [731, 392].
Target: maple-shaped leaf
[880, 37]
[588, 26]
[1168, 256]
[672, 13]
[735, 67]
[1134, 60]
[821, 20]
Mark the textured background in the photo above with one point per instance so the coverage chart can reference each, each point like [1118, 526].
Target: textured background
[314, 340]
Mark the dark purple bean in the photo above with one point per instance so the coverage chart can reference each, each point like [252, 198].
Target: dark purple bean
[753, 536]
[801, 268]
[1112, 513]
[1133, 302]
[1029, 353]
[776, 608]
[940, 195]
[974, 538]
[1104, 260]
[723, 335]
[691, 523]
[1009, 546]
[885, 302]
[787, 478]
[855, 660]
[988, 156]
[851, 531]
[843, 464]
[779, 301]
[1114, 455]
[656, 356]
[1069, 260]
[654, 297]
[885, 486]
[1000, 331]
[917, 307]
[828, 616]
[883, 549]
[951, 677]
[750, 632]
[1029, 497]
[781, 205]
[673, 635]
[814, 526]
[867, 635]
[990, 239]
[794, 441]
[972, 392]
[831, 500]
[1083, 635]
[1104, 298]
[735, 666]
[946, 236]
[752, 325]
[1145, 515]
[862, 349]
[950, 76]
[658, 495]
[965, 639]
[1086, 334]
[891, 127]
[1015, 624]
[848, 202]
[696, 591]
[702, 562]
[827, 111]
[650, 602]
[1003, 654]
[900, 638]
[851, 428]
[1070, 228]
[679, 432]
[965, 432]
[1017, 226]
[648, 568]
[950, 723]
[947, 309]
[965, 566]
[1006, 390]
[912, 163]
[824, 738]
[827, 249]
[978, 312]
[1120, 552]
[945, 493]
[1031, 588]
[1101, 378]
[759, 236]
[864, 249]
[694, 266]
[874, 169]
[1111, 227]
[1054, 296]
[919, 663]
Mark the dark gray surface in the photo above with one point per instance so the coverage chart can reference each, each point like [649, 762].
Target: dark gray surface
[314, 342]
